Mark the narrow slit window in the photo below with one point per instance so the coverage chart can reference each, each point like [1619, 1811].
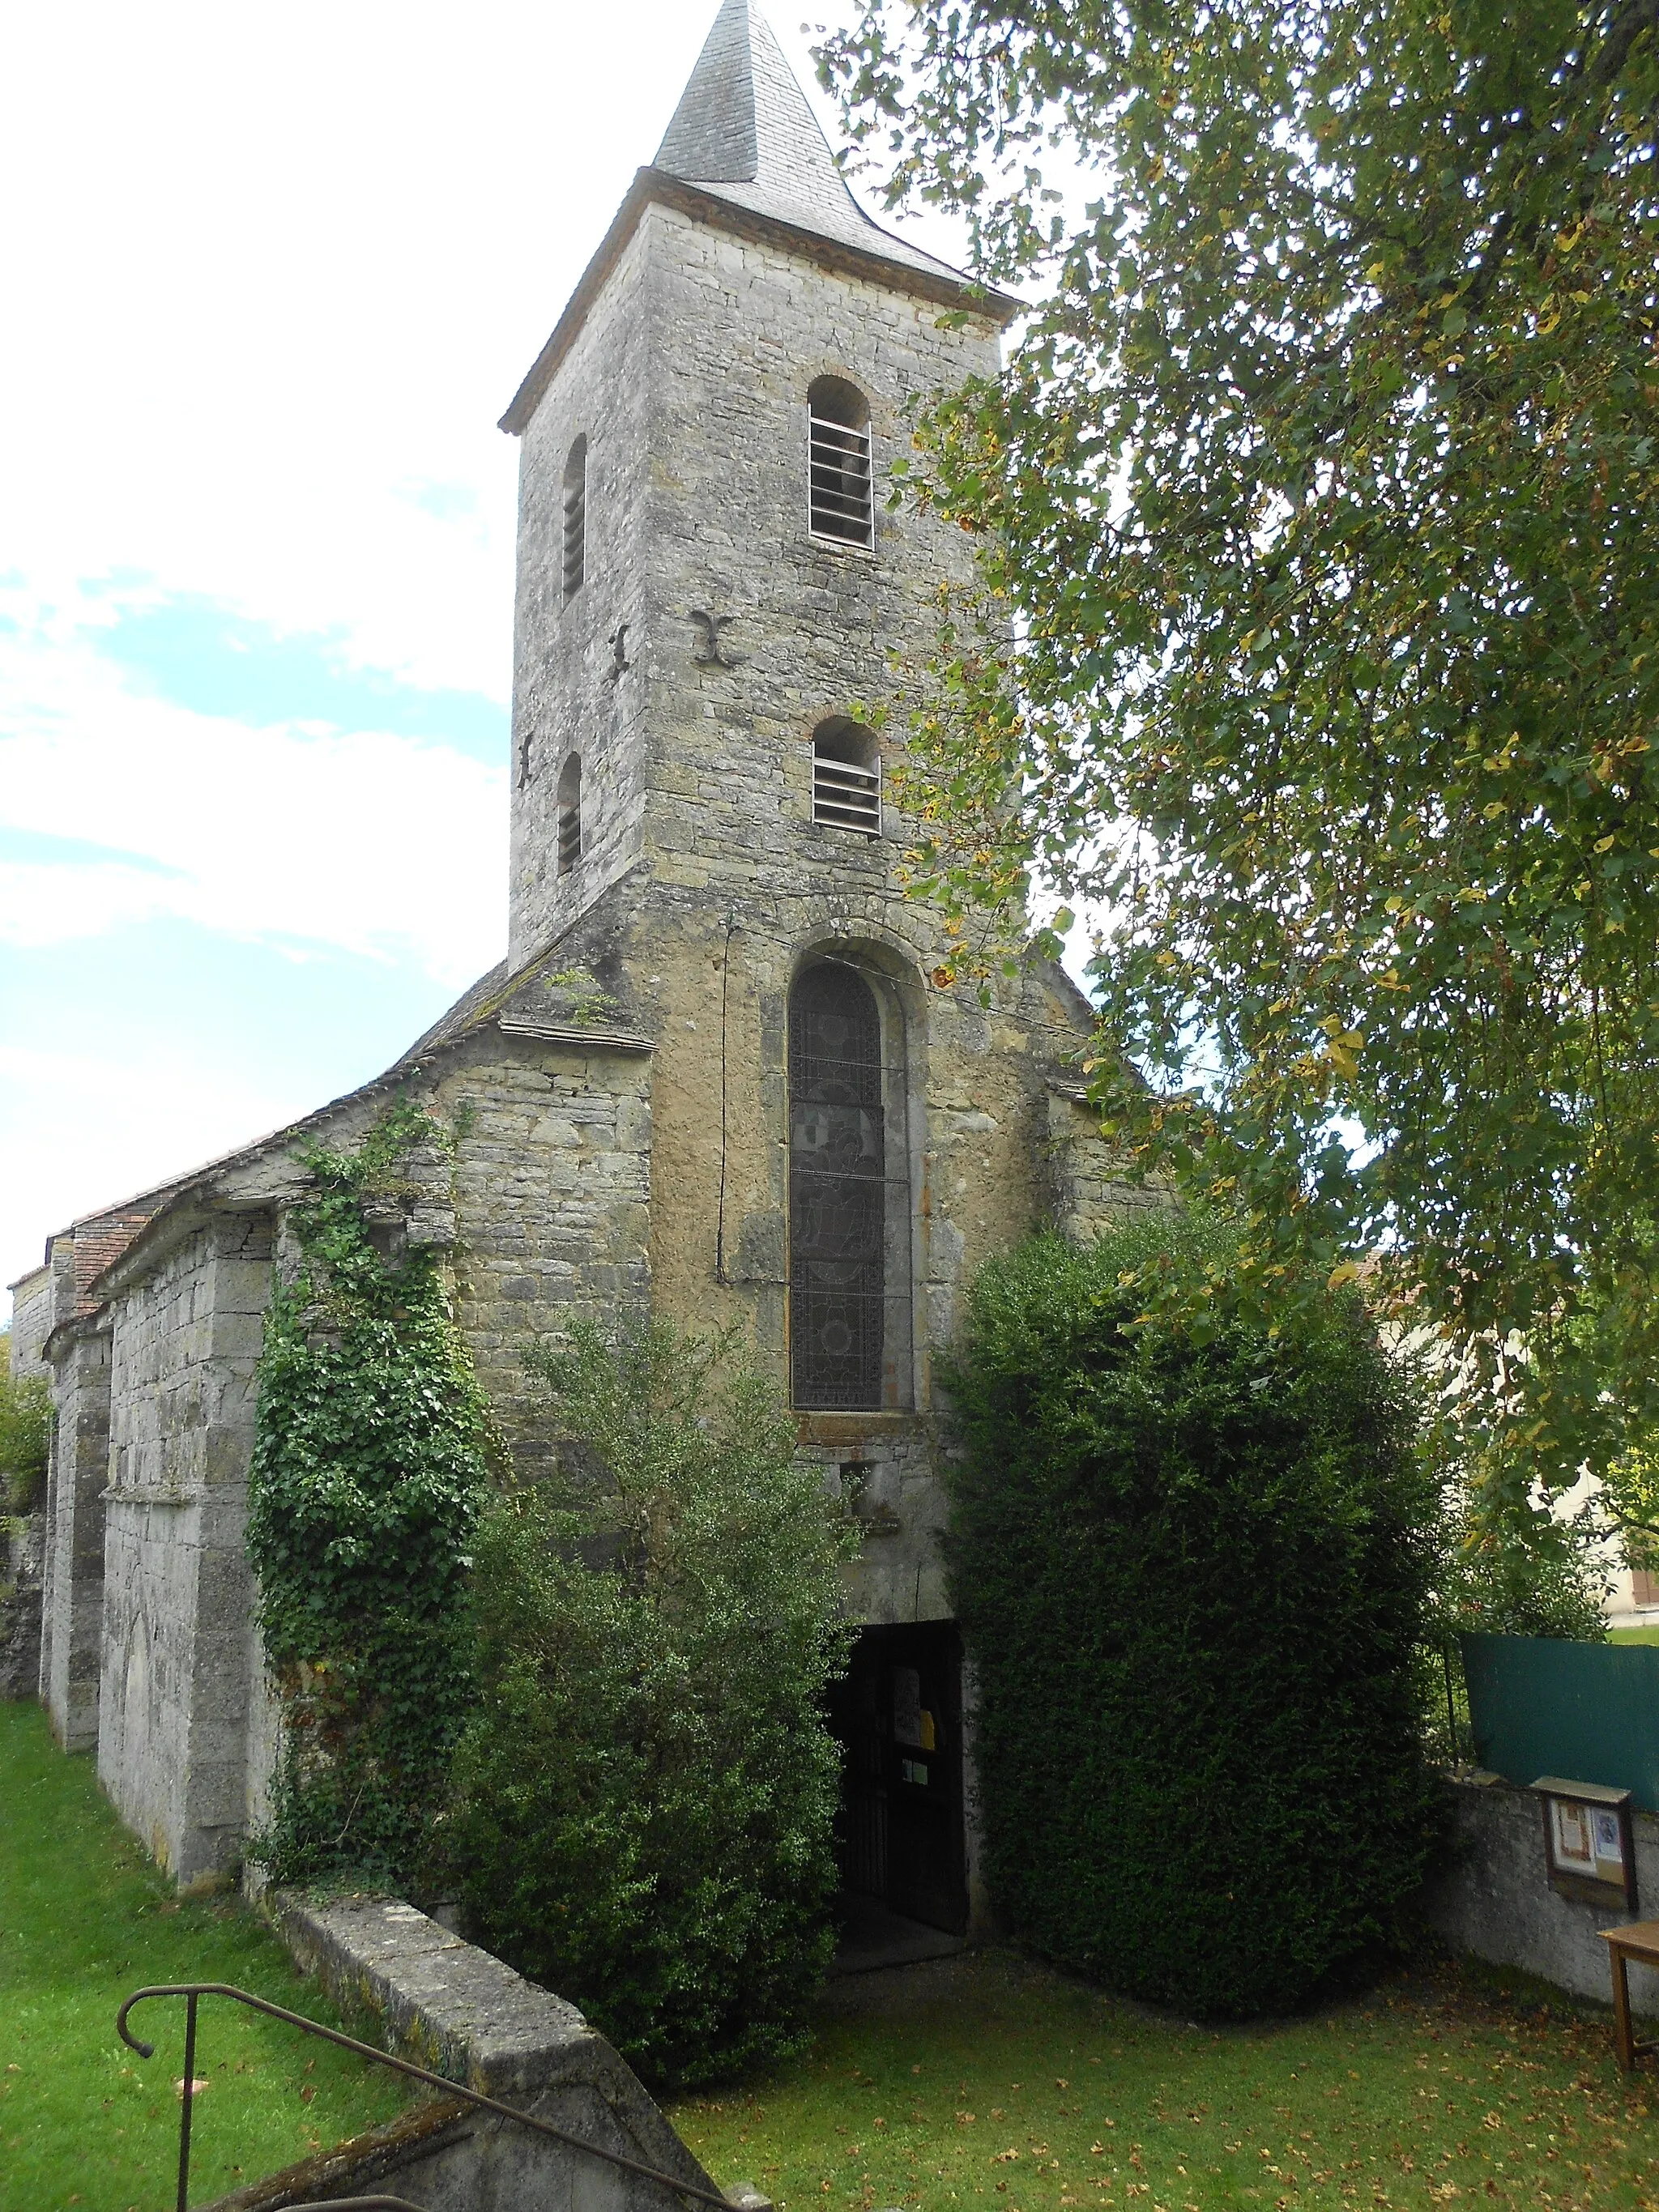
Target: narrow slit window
[570, 814]
[846, 778]
[575, 517]
[842, 504]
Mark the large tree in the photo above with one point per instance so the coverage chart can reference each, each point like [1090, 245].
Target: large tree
[1320, 498]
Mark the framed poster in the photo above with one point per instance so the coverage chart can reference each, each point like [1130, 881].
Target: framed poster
[907, 1707]
[1589, 1844]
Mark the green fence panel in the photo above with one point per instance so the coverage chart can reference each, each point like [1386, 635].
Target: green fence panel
[1586, 1711]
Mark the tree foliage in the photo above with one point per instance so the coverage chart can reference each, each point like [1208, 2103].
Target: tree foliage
[647, 1790]
[25, 1435]
[369, 1472]
[1194, 1581]
[1321, 493]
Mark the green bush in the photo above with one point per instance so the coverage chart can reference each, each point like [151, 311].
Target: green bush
[1525, 1573]
[647, 1789]
[368, 1470]
[25, 1435]
[1192, 1577]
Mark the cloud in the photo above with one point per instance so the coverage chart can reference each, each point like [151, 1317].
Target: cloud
[205, 656]
[172, 1110]
[294, 831]
[257, 603]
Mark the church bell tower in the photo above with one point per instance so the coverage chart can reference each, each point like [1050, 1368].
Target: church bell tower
[711, 574]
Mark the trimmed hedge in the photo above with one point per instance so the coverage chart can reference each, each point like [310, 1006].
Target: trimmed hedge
[1192, 1578]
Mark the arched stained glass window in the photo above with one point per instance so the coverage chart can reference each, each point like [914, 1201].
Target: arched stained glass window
[838, 1193]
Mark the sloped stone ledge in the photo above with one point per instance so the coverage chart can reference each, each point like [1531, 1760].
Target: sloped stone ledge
[442, 2002]
[376, 2162]
[460, 2012]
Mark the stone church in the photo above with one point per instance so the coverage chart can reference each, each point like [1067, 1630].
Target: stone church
[713, 1074]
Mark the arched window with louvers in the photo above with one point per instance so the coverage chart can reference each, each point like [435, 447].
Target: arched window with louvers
[849, 1192]
[841, 498]
[570, 814]
[575, 511]
[847, 777]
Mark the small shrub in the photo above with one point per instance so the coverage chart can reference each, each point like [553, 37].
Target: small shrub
[647, 1789]
[1192, 1577]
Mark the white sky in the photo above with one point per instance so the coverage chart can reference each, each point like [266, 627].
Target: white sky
[270, 277]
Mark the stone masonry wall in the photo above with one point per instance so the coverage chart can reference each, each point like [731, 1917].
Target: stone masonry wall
[23, 1540]
[179, 1593]
[1088, 1189]
[552, 1192]
[73, 1599]
[542, 1209]
[1493, 1896]
[703, 348]
[570, 693]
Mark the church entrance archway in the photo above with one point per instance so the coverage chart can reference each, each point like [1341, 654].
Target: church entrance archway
[897, 1714]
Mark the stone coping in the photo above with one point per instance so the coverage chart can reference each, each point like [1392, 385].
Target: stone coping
[460, 2012]
[370, 2162]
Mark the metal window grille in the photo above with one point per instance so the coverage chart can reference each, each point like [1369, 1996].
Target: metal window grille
[841, 505]
[837, 1192]
[845, 795]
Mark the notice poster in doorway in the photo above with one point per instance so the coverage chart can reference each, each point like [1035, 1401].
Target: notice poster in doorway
[907, 1706]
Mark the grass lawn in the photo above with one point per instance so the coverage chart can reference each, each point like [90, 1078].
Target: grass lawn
[1634, 1636]
[986, 2081]
[84, 1919]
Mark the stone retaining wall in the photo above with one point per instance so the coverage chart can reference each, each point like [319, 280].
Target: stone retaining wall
[456, 2010]
[1494, 1898]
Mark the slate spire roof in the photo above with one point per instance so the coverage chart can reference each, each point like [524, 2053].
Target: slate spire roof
[744, 132]
[744, 137]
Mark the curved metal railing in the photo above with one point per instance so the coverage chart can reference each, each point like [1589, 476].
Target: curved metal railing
[193, 1991]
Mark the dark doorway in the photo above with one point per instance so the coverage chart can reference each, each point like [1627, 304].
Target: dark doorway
[898, 1715]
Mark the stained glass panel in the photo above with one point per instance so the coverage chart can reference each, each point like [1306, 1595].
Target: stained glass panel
[837, 1191]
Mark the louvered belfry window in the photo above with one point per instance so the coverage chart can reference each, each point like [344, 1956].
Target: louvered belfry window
[837, 1191]
[575, 517]
[570, 814]
[846, 778]
[838, 433]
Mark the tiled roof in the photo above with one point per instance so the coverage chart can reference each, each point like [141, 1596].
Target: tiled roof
[100, 1240]
[476, 1002]
[744, 133]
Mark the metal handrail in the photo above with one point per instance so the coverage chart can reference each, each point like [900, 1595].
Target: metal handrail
[192, 1991]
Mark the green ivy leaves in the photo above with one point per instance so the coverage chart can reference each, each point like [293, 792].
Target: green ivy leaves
[368, 1473]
